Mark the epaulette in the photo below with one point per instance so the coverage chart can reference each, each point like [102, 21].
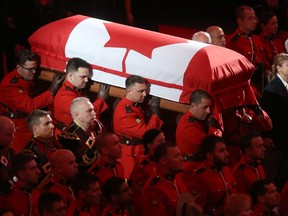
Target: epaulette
[128, 109]
[199, 171]
[241, 166]
[235, 37]
[96, 168]
[47, 186]
[155, 180]
[68, 88]
[14, 80]
[145, 162]
[191, 119]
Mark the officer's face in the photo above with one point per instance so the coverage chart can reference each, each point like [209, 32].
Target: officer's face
[93, 194]
[31, 173]
[68, 167]
[218, 37]
[7, 134]
[114, 147]
[137, 92]
[249, 22]
[220, 154]
[271, 198]
[158, 140]
[174, 160]
[27, 70]
[86, 115]
[271, 28]
[124, 195]
[79, 79]
[257, 149]
[202, 110]
[58, 209]
[45, 128]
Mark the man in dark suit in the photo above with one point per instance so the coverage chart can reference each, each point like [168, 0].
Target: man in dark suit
[275, 102]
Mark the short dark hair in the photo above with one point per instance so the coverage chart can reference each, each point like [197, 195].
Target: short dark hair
[34, 117]
[46, 201]
[208, 144]
[245, 140]
[112, 186]
[82, 182]
[161, 150]
[258, 188]
[75, 63]
[199, 94]
[132, 79]
[149, 137]
[21, 159]
[239, 12]
[24, 55]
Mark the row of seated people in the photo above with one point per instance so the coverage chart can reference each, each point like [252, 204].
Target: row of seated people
[158, 184]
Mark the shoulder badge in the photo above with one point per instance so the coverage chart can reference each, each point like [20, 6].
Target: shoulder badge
[14, 80]
[128, 109]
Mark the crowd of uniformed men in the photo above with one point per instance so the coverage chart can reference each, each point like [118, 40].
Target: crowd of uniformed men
[58, 158]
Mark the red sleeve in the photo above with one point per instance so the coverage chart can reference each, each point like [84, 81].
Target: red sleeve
[100, 106]
[153, 203]
[19, 99]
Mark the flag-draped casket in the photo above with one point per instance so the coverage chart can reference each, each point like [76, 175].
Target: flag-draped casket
[174, 66]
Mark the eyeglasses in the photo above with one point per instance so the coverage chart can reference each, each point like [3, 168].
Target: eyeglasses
[29, 69]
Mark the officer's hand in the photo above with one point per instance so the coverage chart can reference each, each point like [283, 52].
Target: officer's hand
[154, 105]
[57, 80]
[212, 122]
[103, 91]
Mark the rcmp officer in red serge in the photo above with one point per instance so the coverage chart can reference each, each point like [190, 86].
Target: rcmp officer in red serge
[129, 121]
[16, 100]
[78, 73]
[212, 180]
[249, 45]
[80, 135]
[249, 169]
[161, 192]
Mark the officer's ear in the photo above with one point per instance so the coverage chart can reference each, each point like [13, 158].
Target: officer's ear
[18, 68]
[210, 155]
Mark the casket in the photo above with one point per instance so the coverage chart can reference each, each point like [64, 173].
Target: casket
[174, 66]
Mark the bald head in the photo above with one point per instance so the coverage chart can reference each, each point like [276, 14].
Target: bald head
[63, 164]
[7, 130]
[217, 36]
[202, 36]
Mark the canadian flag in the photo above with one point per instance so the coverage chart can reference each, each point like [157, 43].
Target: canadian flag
[174, 66]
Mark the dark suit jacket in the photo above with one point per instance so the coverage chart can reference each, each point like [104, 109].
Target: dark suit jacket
[275, 102]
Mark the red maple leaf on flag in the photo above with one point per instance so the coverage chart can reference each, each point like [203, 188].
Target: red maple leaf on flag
[139, 40]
